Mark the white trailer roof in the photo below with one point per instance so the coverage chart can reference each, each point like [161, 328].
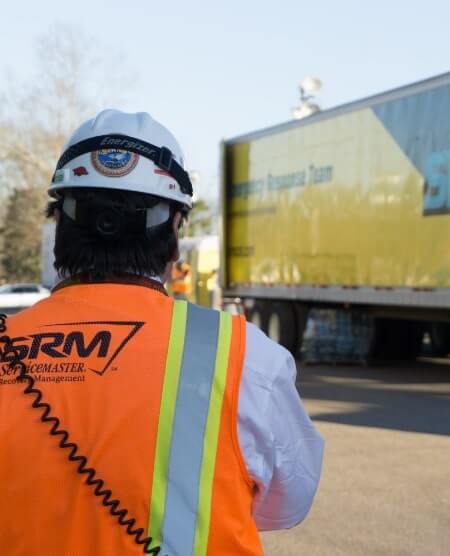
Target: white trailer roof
[373, 100]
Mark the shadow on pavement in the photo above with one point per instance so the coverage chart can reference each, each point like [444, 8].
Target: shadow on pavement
[413, 397]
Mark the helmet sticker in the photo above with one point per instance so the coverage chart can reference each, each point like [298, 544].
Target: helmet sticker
[161, 172]
[61, 175]
[80, 171]
[114, 162]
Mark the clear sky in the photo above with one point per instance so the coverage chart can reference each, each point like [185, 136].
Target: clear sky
[210, 70]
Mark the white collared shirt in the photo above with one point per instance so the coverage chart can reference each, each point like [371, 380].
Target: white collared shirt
[281, 448]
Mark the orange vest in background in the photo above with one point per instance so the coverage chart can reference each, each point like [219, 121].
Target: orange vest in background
[180, 282]
[148, 389]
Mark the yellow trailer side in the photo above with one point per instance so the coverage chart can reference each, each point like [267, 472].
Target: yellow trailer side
[350, 206]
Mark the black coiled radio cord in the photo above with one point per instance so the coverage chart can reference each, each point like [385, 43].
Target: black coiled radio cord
[92, 480]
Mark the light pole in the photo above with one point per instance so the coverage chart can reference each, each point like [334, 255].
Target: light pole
[306, 108]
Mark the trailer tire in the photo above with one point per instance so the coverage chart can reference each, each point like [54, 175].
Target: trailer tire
[411, 339]
[282, 326]
[397, 339]
[257, 315]
[440, 338]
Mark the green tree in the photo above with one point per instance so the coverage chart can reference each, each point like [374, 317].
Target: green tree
[35, 120]
[22, 246]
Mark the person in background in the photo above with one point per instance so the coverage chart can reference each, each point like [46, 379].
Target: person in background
[181, 280]
[189, 416]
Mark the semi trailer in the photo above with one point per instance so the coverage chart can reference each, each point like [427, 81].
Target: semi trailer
[348, 208]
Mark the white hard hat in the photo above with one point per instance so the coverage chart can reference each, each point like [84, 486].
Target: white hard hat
[130, 152]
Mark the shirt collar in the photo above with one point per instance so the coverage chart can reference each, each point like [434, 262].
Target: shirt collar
[152, 282]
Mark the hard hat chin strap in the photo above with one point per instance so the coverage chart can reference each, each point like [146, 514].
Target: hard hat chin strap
[160, 156]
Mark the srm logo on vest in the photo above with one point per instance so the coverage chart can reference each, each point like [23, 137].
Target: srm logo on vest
[105, 342]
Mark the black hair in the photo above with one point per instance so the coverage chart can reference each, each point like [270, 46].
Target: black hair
[79, 250]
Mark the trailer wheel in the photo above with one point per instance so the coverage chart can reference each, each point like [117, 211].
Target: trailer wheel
[411, 339]
[397, 339]
[282, 326]
[440, 338]
[257, 315]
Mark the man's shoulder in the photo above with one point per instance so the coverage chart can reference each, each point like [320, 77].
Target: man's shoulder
[24, 315]
[263, 356]
[208, 310]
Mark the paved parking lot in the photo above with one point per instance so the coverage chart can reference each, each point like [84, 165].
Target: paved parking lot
[385, 488]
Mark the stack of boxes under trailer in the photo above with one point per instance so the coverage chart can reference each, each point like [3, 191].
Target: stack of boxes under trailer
[336, 336]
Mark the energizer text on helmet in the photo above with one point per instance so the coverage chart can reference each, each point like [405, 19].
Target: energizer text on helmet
[114, 167]
[123, 157]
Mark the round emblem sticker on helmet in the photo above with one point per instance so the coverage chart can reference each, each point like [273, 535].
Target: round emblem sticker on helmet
[114, 162]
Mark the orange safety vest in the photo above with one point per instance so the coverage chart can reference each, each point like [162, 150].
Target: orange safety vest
[181, 279]
[148, 388]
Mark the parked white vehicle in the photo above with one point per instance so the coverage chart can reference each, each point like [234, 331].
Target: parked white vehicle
[15, 297]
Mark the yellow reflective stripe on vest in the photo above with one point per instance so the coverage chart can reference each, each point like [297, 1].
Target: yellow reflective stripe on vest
[184, 471]
[212, 435]
[166, 416]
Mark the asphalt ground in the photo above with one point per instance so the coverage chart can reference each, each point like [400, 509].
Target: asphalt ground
[385, 486]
